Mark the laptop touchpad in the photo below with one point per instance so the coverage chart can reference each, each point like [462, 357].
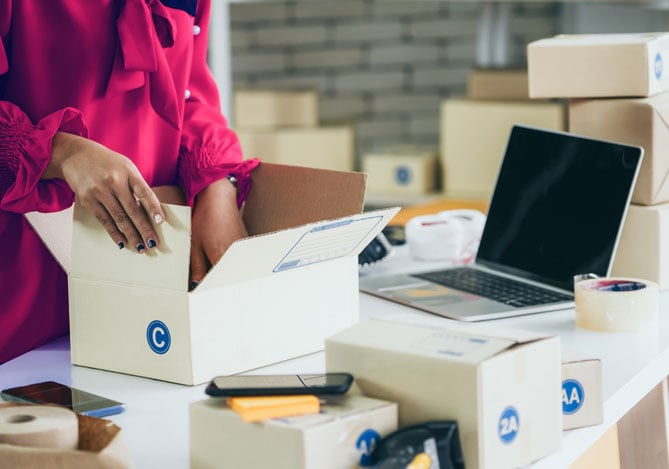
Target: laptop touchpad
[432, 295]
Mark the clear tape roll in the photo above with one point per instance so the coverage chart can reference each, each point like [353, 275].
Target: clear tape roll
[39, 426]
[616, 304]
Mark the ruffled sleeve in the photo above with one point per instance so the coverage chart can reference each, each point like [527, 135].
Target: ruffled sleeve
[209, 149]
[25, 152]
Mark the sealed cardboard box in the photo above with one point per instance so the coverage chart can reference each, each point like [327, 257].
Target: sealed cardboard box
[317, 147]
[582, 403]
[498, 83]
[502, 388]
[134, 314]
[643, 122]
[598, 65]
[643, 249]
[345, 431]
[273, 108]
[403, 170]
[474, 134]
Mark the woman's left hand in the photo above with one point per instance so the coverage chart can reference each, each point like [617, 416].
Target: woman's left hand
[217, 223]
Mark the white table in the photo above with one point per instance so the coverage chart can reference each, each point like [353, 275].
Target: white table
[155, 423]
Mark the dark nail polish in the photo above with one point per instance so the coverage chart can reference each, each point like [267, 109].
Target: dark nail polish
[193, 285]
[140, 247]
[152, 243]
[120, 245]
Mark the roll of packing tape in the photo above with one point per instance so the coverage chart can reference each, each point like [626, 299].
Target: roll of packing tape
[616, 304]
[433, 238]
[39, 426]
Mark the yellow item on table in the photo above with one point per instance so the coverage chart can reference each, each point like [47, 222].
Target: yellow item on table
[256, 408]
[441, 205]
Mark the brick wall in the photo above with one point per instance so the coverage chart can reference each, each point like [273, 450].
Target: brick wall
[382, 65]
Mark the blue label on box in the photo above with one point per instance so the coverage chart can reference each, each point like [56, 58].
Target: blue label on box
[573, 396]
[509, 424]
[158, 337]
[403, 175]
[365, 444]
[658, 66]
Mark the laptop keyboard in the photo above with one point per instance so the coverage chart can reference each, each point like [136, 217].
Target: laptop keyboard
[494, 287]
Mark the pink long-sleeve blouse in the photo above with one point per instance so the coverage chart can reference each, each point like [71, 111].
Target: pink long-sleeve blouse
[130, 74]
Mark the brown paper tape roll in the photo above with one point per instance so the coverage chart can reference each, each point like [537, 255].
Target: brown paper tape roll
[616, 304]
[39, 426]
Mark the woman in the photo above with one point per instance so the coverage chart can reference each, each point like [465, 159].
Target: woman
[101, 100]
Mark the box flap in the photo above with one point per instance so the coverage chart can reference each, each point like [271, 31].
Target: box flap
[95, 256]
[55, 230]
[285, 196]
[612, 39]
[288, 249]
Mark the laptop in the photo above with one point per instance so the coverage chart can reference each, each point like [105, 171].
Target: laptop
[557, 211]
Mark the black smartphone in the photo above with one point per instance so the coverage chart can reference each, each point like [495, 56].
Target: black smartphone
[279, 385]
[50, 392]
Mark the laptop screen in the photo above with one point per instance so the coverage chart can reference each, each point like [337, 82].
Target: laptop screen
[558, 206]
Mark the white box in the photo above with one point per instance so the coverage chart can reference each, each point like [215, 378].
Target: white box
[502, 388]
[317, 147]
[402, 170]
[273, 296]
[643, 249]
[274, 108]
[336, 438]
[598, 65]
[582, 402]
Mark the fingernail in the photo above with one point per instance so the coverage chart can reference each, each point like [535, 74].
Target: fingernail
[152, 243]
[193, 284]
[120, 245]
[158, 218]
[140, 247]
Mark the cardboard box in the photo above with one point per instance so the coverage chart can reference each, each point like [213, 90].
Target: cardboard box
[598, 65]
[404, 170]
[317, 147]
[334, 439]
[101, 445]
[134, 314]
[643, 249]
[498, 83]
[271, 108]
[474, 135]
[643, 122]
[502, 388]
[582, 403]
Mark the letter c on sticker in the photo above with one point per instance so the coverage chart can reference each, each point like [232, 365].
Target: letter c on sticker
[158, 337]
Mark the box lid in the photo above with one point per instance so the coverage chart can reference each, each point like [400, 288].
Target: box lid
[614, 39]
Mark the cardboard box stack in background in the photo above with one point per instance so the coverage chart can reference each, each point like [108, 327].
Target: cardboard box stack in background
[401, 171]
[621, 81]
[283, 127]
[475, 129]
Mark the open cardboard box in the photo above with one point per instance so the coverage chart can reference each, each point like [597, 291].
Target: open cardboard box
[101, 445]
[273, 296]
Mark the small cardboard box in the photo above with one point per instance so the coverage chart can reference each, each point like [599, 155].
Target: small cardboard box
[643, 122]
[317, 147]
[582, 403]
[598, 65]
[101, 445]
[643, 249]
[271, 108]
[502, 388]
[403, 170]
[474, 134]
[273, 296]
[498, 83]
[336, 438]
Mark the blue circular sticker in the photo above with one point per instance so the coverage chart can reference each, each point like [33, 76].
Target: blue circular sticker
[572, 396]
[158, 337]
[658, 65]
[402, 175]
[365, 444]
[509, 424]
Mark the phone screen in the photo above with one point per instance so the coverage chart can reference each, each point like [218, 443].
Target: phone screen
[258, 385]
[50, 392]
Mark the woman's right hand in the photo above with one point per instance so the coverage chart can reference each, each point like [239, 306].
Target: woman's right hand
[109, 185]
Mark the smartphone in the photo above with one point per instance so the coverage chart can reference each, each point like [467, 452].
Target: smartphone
[50, 392]
[280, 385]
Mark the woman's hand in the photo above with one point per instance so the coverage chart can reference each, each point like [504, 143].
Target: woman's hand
[217, 224]
[110, 185]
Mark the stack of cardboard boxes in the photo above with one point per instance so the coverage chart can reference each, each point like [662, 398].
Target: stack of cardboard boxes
[475, 129]
[617, 85]
[283, 127]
